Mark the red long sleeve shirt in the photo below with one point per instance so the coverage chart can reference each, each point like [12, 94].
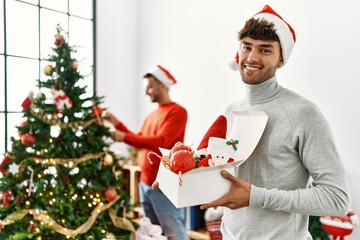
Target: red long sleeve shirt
[161, 128]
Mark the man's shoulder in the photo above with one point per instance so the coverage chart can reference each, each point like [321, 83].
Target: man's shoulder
[177, 106]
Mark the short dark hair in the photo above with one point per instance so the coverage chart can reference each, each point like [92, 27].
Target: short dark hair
[258, 29]
[147, 75]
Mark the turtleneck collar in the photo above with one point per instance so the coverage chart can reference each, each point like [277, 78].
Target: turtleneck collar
[263, 91]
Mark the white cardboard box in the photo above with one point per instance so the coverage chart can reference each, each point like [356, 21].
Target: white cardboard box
[203, 185]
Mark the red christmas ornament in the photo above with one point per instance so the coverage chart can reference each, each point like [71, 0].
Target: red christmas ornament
[6, 196]
[182, 161]
[97, 111]
[339, 226]
[177, 147]
[74, 66]
[6, 159]
[28, 139]
[110, 194]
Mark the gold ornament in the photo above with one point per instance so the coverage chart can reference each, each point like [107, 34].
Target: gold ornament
[108, 160]
[109, 235]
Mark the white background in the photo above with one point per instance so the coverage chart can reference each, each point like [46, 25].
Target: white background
[196, 39]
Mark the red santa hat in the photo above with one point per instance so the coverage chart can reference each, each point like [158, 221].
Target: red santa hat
[217, 129]
[284, 31]
[162, 75]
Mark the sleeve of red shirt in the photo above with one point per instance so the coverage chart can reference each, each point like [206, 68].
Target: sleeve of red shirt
[121, 127]
[173, 127]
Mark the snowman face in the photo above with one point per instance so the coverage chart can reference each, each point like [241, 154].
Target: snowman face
[219, 157]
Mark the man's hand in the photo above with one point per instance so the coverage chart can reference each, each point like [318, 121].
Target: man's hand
[237, 197]
[111, 118]
[118, 136]
[155, 185]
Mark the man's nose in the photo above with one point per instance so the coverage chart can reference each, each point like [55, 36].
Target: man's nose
[253, 56]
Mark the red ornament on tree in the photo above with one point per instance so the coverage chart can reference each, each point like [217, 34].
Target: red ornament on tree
[110, 194]
[6, 196]
[339, 226]
[97, 111]
[6, 159]
[74, 66]
[28, 139]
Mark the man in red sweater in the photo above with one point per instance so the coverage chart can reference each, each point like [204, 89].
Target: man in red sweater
[161, 128]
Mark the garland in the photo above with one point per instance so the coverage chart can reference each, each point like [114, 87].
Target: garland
[39, 113]
[66, 162]
[122, 223]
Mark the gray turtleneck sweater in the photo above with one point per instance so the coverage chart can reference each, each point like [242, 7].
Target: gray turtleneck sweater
[294, 171]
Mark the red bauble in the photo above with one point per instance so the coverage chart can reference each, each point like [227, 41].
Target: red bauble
[110, 194]
[182, 161]
[97, 111]
[74, 66]
[28, 139]
[177, 147]
[6, 196]
[337, 226]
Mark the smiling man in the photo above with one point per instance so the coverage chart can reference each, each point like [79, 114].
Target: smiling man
[295, 170]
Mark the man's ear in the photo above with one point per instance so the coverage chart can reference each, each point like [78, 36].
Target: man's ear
[280, 63]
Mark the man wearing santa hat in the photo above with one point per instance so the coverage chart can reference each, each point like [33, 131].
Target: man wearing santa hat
[161, 128]
[270, 197]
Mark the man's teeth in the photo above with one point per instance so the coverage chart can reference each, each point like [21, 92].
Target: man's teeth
[252, 68]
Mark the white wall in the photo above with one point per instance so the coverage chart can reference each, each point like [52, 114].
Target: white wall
[195, 40]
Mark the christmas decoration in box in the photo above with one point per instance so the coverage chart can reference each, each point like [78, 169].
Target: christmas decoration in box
[61, 180]
[188, 178]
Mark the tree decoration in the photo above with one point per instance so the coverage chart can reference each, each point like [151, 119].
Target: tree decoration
[55, 173]
[48, 70]
[28, 100]
[28, 139]
[6, 196]
[233, 143]
[14, 168]
[6, 159]
[108, 160]
[110, 194]
[62, 100]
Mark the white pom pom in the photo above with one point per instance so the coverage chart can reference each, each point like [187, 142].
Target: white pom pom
[212, 214]
[234, 65]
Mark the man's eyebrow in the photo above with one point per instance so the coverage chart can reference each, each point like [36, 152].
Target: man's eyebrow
[265, 45]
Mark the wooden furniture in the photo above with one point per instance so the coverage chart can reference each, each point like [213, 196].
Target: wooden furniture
[131, 173]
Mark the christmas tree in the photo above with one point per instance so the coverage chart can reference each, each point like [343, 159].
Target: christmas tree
[61, 180]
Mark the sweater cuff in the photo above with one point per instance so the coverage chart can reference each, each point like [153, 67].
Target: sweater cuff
[257, 196]
[121, 127]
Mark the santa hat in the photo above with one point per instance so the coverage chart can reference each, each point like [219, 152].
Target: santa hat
[217, 129]
[162, 75]
[284, 31]
[28, 100]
